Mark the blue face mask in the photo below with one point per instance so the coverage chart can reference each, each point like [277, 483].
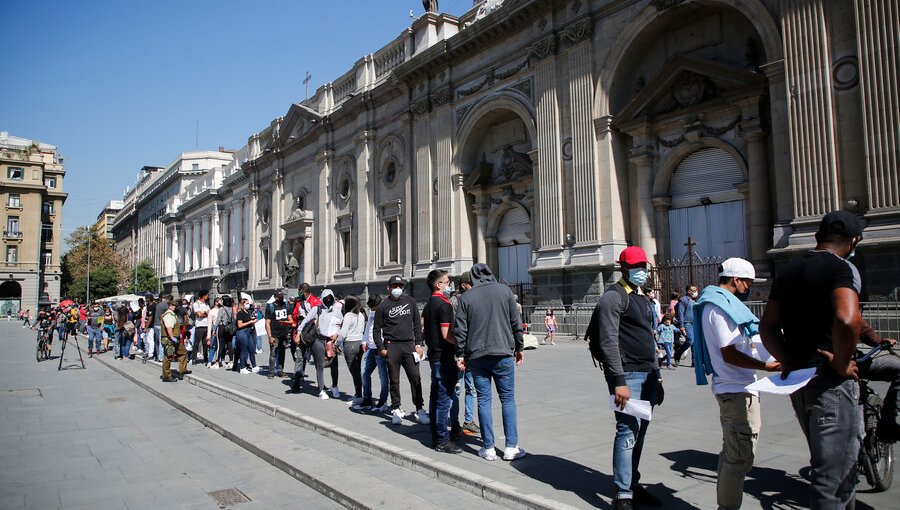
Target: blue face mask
[638, 276]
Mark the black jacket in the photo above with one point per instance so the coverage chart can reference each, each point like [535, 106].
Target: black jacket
[488, 322]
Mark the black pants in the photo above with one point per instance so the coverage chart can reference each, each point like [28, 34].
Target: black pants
[353, 354]
[318, 352]
[401, 353]
[223, 345]
[200, 343]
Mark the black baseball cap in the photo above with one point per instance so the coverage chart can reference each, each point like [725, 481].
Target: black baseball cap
[396, 279]
[279, 294]
[842, 223]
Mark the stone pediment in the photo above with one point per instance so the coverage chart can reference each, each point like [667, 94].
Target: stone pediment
[299, 224]
[299, 120]
[685, 82]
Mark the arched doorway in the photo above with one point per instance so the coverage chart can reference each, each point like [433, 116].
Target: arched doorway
[10, 298]
[707, 206]
[514, 247]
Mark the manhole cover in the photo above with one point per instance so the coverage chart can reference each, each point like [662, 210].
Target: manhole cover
[23, 392]
[229, 497]
[116, 399]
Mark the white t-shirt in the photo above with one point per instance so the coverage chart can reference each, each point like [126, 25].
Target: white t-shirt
[720, 331]
[199, 322]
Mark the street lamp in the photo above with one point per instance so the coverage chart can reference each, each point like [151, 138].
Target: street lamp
[87, 290]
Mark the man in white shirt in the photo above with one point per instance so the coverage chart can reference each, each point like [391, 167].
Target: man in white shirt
[725, 330]
[201, 326]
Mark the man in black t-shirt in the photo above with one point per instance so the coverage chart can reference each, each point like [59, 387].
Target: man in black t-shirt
[279, 322]
[444, 403]
[812, 320]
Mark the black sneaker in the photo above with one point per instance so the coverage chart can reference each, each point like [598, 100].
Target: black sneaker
[270, 375]
[171, 378]
[280, 374]
[448, 447]
[622, 504]
[366, 404]
[455, 433]
[643, 497]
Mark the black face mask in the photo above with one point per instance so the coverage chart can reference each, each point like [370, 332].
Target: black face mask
[329, 301]
[743, 296]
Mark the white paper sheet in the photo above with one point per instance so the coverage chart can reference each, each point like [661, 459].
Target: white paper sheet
[638, 408]
[778, 386]
[260, 327]
[418, 358]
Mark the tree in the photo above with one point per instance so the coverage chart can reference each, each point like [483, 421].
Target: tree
[146, 278]
[107, 268]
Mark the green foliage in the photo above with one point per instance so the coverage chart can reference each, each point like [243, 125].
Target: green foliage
[104, 283]
[107, 268]
[146, 279]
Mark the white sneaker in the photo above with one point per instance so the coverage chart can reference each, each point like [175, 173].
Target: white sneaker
[258, 351]
[335, 392]
[487, 454]
[513, 453]
[255, 370]
[214, 366]
[422, 417]
[246, 371]
[356, 401]
[323, 395]
[397, 416]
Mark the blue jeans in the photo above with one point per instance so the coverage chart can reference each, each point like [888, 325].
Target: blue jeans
[465, 379]
[500, 369]
[157, 340]
[829, 416]
[95, 337]
[443, 404]
[123, 342]
[371, 360]
[246, 342]
[213, 350]
[630, 434]
[668, 348]
[259, 341]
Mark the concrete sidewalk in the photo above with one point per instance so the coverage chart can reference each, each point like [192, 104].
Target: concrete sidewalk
[567, 429]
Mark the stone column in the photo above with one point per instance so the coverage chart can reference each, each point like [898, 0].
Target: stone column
[642, 157]
[661, 206]
[812, 125]
[445, 216]
[365, 224]
[205, 238]
[323, 237]
[759, 221]
[189, 247]
[215, 243]
[424, 196]
[481, 210]
[878, 32]
[196, 246]
[585, 183]
[548, 172]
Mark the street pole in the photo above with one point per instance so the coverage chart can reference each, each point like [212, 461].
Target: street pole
[87, 291]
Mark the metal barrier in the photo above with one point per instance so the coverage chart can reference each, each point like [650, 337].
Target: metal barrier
[883, 316]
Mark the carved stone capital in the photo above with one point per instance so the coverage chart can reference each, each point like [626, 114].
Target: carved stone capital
[577, 32]
[420, 107]
[543, 48]
[324, 156]
[441, 97]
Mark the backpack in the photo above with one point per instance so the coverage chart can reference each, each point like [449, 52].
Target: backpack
[226, 320]
[308, 334]
[592, 334]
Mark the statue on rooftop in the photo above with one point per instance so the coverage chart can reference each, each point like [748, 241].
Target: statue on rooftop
[430, 5]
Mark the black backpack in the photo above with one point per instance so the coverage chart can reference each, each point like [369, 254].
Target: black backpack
[592, 334]
[308, 334]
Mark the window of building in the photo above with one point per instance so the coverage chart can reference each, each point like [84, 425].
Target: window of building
[47, 232]
[14, 200]
[345, 250]
[195, 166]
[50, 182]
[392, 248]
[12, 225]
[46, 258]
[12, 254]
[265, 261]
[48, 208]
[15, 173]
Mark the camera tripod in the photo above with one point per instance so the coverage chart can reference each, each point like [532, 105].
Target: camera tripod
[62, 353]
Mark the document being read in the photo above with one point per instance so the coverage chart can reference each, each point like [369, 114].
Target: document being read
[637, 408]
[778, 386]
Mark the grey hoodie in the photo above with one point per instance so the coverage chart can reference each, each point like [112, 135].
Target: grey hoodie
[488, 322]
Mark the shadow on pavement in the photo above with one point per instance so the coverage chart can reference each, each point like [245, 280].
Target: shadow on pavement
[583, 481]
[774, 488]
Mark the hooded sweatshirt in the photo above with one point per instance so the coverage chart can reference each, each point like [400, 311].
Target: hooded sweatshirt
[328, 319]
[488, 322]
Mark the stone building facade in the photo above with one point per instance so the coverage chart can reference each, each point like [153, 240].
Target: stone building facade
[543, 137]
[32, 198]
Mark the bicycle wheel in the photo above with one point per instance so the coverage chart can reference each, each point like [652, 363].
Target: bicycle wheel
[882, 466]
[40, 350]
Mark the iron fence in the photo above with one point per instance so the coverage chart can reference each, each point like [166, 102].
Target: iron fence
[883, 316]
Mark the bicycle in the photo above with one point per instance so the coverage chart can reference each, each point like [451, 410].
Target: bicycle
[43, 345]
[876, 458]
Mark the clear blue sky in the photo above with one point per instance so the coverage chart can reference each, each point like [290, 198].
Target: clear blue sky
[117, 85]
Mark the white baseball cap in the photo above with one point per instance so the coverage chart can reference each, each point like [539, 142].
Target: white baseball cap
[739, 268]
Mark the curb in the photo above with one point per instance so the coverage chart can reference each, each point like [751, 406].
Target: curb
[272, 459]
[483, 487]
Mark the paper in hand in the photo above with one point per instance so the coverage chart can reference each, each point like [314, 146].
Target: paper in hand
[638, 408]
[778, 386]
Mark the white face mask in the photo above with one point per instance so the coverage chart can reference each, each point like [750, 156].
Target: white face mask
[397, 292]
[246, 306]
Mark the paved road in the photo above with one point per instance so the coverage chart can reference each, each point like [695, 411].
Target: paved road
[91, 439]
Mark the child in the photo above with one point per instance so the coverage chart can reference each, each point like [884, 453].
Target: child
[666, 335]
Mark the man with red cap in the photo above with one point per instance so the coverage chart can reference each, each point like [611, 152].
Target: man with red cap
[623, 324]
